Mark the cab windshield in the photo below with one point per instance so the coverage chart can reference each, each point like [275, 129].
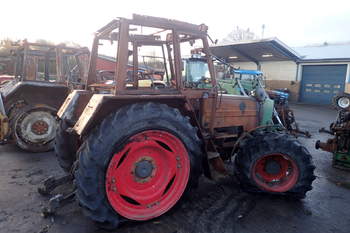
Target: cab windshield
[196, 71]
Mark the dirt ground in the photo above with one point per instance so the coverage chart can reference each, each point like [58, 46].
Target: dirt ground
[213, 208]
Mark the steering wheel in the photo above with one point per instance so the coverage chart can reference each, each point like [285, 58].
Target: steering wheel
[204, 80]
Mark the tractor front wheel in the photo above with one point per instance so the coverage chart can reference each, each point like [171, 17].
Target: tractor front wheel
[274, 163]
[137, 164]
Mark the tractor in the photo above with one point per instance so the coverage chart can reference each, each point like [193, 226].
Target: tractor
[246, 82]
[44, 75]
[134, 151]
[339, 145]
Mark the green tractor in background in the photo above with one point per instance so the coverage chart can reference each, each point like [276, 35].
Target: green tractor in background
[237, 82]
[251, 83]
[273, 104]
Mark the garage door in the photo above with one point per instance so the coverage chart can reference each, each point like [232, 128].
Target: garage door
[320, 83]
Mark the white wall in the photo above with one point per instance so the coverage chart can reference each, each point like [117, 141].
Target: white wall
[245, 65]
[273, 70]
[280, 70]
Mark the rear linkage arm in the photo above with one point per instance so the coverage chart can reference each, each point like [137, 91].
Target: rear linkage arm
[58, 201]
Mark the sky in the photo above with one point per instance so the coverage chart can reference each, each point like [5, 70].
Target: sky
[296, 23]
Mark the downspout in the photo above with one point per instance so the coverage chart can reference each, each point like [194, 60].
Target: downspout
[297, 73]
[297, 80]
[347, 78]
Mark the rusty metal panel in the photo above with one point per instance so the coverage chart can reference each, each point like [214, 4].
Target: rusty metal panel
[74, 105]
[92, 112]
[122, 56]
[231, 111]
[59, 68]
[31, 68]
[92, 64]
[158, 22]
[4, 127]
[88, 114]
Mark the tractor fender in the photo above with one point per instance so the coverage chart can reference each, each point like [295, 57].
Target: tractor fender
[32, 92]
[100, 105]
[74, 105]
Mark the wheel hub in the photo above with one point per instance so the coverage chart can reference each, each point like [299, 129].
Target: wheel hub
[40, 127]
[272, 167]
[148, 175]
[275, 172]
[143, 169]
[36, 126]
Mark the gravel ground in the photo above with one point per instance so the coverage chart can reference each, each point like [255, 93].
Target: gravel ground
[215, 207]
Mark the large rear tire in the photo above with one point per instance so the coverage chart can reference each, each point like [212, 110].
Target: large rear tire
[33, 127]
[274, 163]
[66, 146]
[137, 163]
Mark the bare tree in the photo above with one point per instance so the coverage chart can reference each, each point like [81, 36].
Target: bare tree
[239, 34]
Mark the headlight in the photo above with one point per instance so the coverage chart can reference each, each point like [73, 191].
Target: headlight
[343, 102]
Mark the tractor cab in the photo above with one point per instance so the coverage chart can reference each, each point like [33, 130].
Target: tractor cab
[195, 72]
[159, 45]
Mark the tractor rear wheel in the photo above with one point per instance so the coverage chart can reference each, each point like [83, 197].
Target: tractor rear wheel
[137, 164]
[274, 163]
[66, 146]
[33, 128]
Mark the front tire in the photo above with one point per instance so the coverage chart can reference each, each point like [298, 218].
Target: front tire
[137, 163]
[274, 163]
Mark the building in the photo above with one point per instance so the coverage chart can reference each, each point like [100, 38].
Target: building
[313, 74]
[104, 62]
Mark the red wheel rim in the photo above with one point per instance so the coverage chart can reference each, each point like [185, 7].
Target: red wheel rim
[148, 175]
[275, 172]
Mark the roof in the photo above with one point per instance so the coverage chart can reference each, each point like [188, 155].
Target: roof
[108, 58]
[256, 51]
[333, 52]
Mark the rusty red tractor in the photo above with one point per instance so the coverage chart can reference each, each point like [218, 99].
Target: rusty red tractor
[135, 151]
[43, 77]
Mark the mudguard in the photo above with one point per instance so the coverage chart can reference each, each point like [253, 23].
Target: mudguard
[74, 105]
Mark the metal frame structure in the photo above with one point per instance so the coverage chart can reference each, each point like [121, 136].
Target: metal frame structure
[59, 53]
[179, 32]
